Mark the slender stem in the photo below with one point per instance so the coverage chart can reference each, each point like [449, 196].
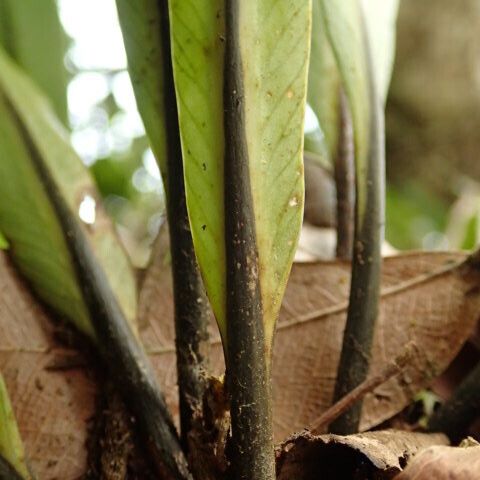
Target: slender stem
[191, 306]
[366, 266]
[122, 352]
[345, 182]
[367, 386]
[7, 472]
[458, 412]
[251, 451]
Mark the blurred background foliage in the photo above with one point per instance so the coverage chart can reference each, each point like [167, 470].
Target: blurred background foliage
[74, 50]
[433, 124]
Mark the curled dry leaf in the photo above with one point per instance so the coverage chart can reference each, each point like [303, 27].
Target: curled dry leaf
[52, 407]
[379, 455]
[444, 463]
[430, 298]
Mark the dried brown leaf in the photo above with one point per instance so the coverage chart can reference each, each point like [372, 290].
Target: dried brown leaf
[426, 298]
[430, 298]
[375, 455]
[52, 407]
[444, 463]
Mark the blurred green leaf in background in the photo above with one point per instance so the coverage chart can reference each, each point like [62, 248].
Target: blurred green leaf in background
[28, 130]
[107, 131]
[11, 445]
[31, 33]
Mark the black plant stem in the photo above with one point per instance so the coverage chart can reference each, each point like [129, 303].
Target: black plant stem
[121, 350]
[191, 306]
[251, 452]
[366, 266]
[345, 182]
[458, 412]
[7, 472]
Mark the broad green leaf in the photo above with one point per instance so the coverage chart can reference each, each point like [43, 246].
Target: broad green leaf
[275, 123]
[34, 38]
[27, 219]
[274, 48]
[141, 29]
[198, 50]
[11, 446]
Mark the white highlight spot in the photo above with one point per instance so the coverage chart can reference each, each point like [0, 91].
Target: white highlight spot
[435, 241]
[144, 182]
[85, 90]
[93, 25]
[311, 120]
[87, 210]
[150, 164]
[293, 202]
[123, 92]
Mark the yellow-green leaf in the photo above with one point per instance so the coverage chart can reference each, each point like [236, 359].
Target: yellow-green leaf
[28, 124]
[274, 48]
[11, 446]
[197, 51]
[278, 56]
